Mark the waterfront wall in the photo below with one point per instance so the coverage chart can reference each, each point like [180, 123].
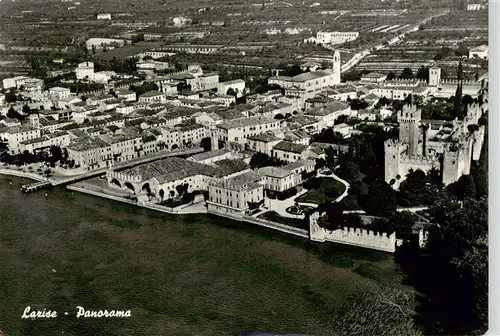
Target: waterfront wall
[17, 173]
[265, 223]
[354, 237]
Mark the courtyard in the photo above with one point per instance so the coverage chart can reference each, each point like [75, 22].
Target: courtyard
[323, 190]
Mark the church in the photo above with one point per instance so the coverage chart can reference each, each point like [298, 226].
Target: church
[309, 84]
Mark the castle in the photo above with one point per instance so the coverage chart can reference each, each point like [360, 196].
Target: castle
[447, 146]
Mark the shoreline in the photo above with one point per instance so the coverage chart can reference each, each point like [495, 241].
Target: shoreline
[256, 221]
[31, 176]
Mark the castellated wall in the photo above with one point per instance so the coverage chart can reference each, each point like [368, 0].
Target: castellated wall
[354, 237]
[478, 143]
[417, 162]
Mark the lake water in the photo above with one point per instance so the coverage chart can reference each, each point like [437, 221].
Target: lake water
[178, 275]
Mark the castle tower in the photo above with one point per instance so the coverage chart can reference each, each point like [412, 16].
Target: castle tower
[453, 163]
[336, 68]
[392, 157]
[409, 127]
[434, 76]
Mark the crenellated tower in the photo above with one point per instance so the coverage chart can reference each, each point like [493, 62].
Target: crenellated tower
[454, 158]
[409, 127]
[392, 158]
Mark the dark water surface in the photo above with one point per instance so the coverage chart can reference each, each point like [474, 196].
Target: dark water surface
[179, 275]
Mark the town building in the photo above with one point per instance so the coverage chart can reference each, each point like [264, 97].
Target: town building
[59, 92]
[328, 114]
[263, 142]
[17, 134]
[163, 179]
[104, 16]
[104, 43]
[238, 130]
[14, 82]
[152, 96]
[237, 85]
[479, 52]
[308, 84]
[233, 196]
[84, 70]
[289, 152]
[334, 37]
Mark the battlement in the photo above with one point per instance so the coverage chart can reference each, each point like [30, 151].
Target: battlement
[456, 82]
[362, 232]
[394, 146]
[392, 143]
[410, 113]
[419, 160]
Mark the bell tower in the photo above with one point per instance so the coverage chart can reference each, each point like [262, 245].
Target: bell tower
[336, 68]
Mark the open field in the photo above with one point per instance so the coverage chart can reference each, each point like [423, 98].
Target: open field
[179, 275]
[443, 40]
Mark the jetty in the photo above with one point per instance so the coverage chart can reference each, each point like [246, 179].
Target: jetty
[35, 186]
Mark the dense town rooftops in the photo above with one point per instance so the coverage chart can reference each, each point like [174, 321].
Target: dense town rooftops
[298, 164]
[170, 169]
[17, 129]
[263, 137]
[229, 114]
[330, 108]
[229, 167]
[210, 154]
[252, 121]
[288, 146]
[86, 143]
[303, 120]
[151, 94]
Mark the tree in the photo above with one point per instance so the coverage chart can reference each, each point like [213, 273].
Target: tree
[381, 200]
[320, 163]
[402, 222]
[206, 143]
[26, 109]
[391, 76]
[463, 188]
[10, 97]
[458, 245]
[406, 74]
[231, 92]
[260, 160]
[13, 114]
[462, 50]
[349, 171]
[423, 73]
[419, 189]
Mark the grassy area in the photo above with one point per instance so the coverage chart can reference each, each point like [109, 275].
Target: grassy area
[327, 191]
[180, 275]
[273, 216]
